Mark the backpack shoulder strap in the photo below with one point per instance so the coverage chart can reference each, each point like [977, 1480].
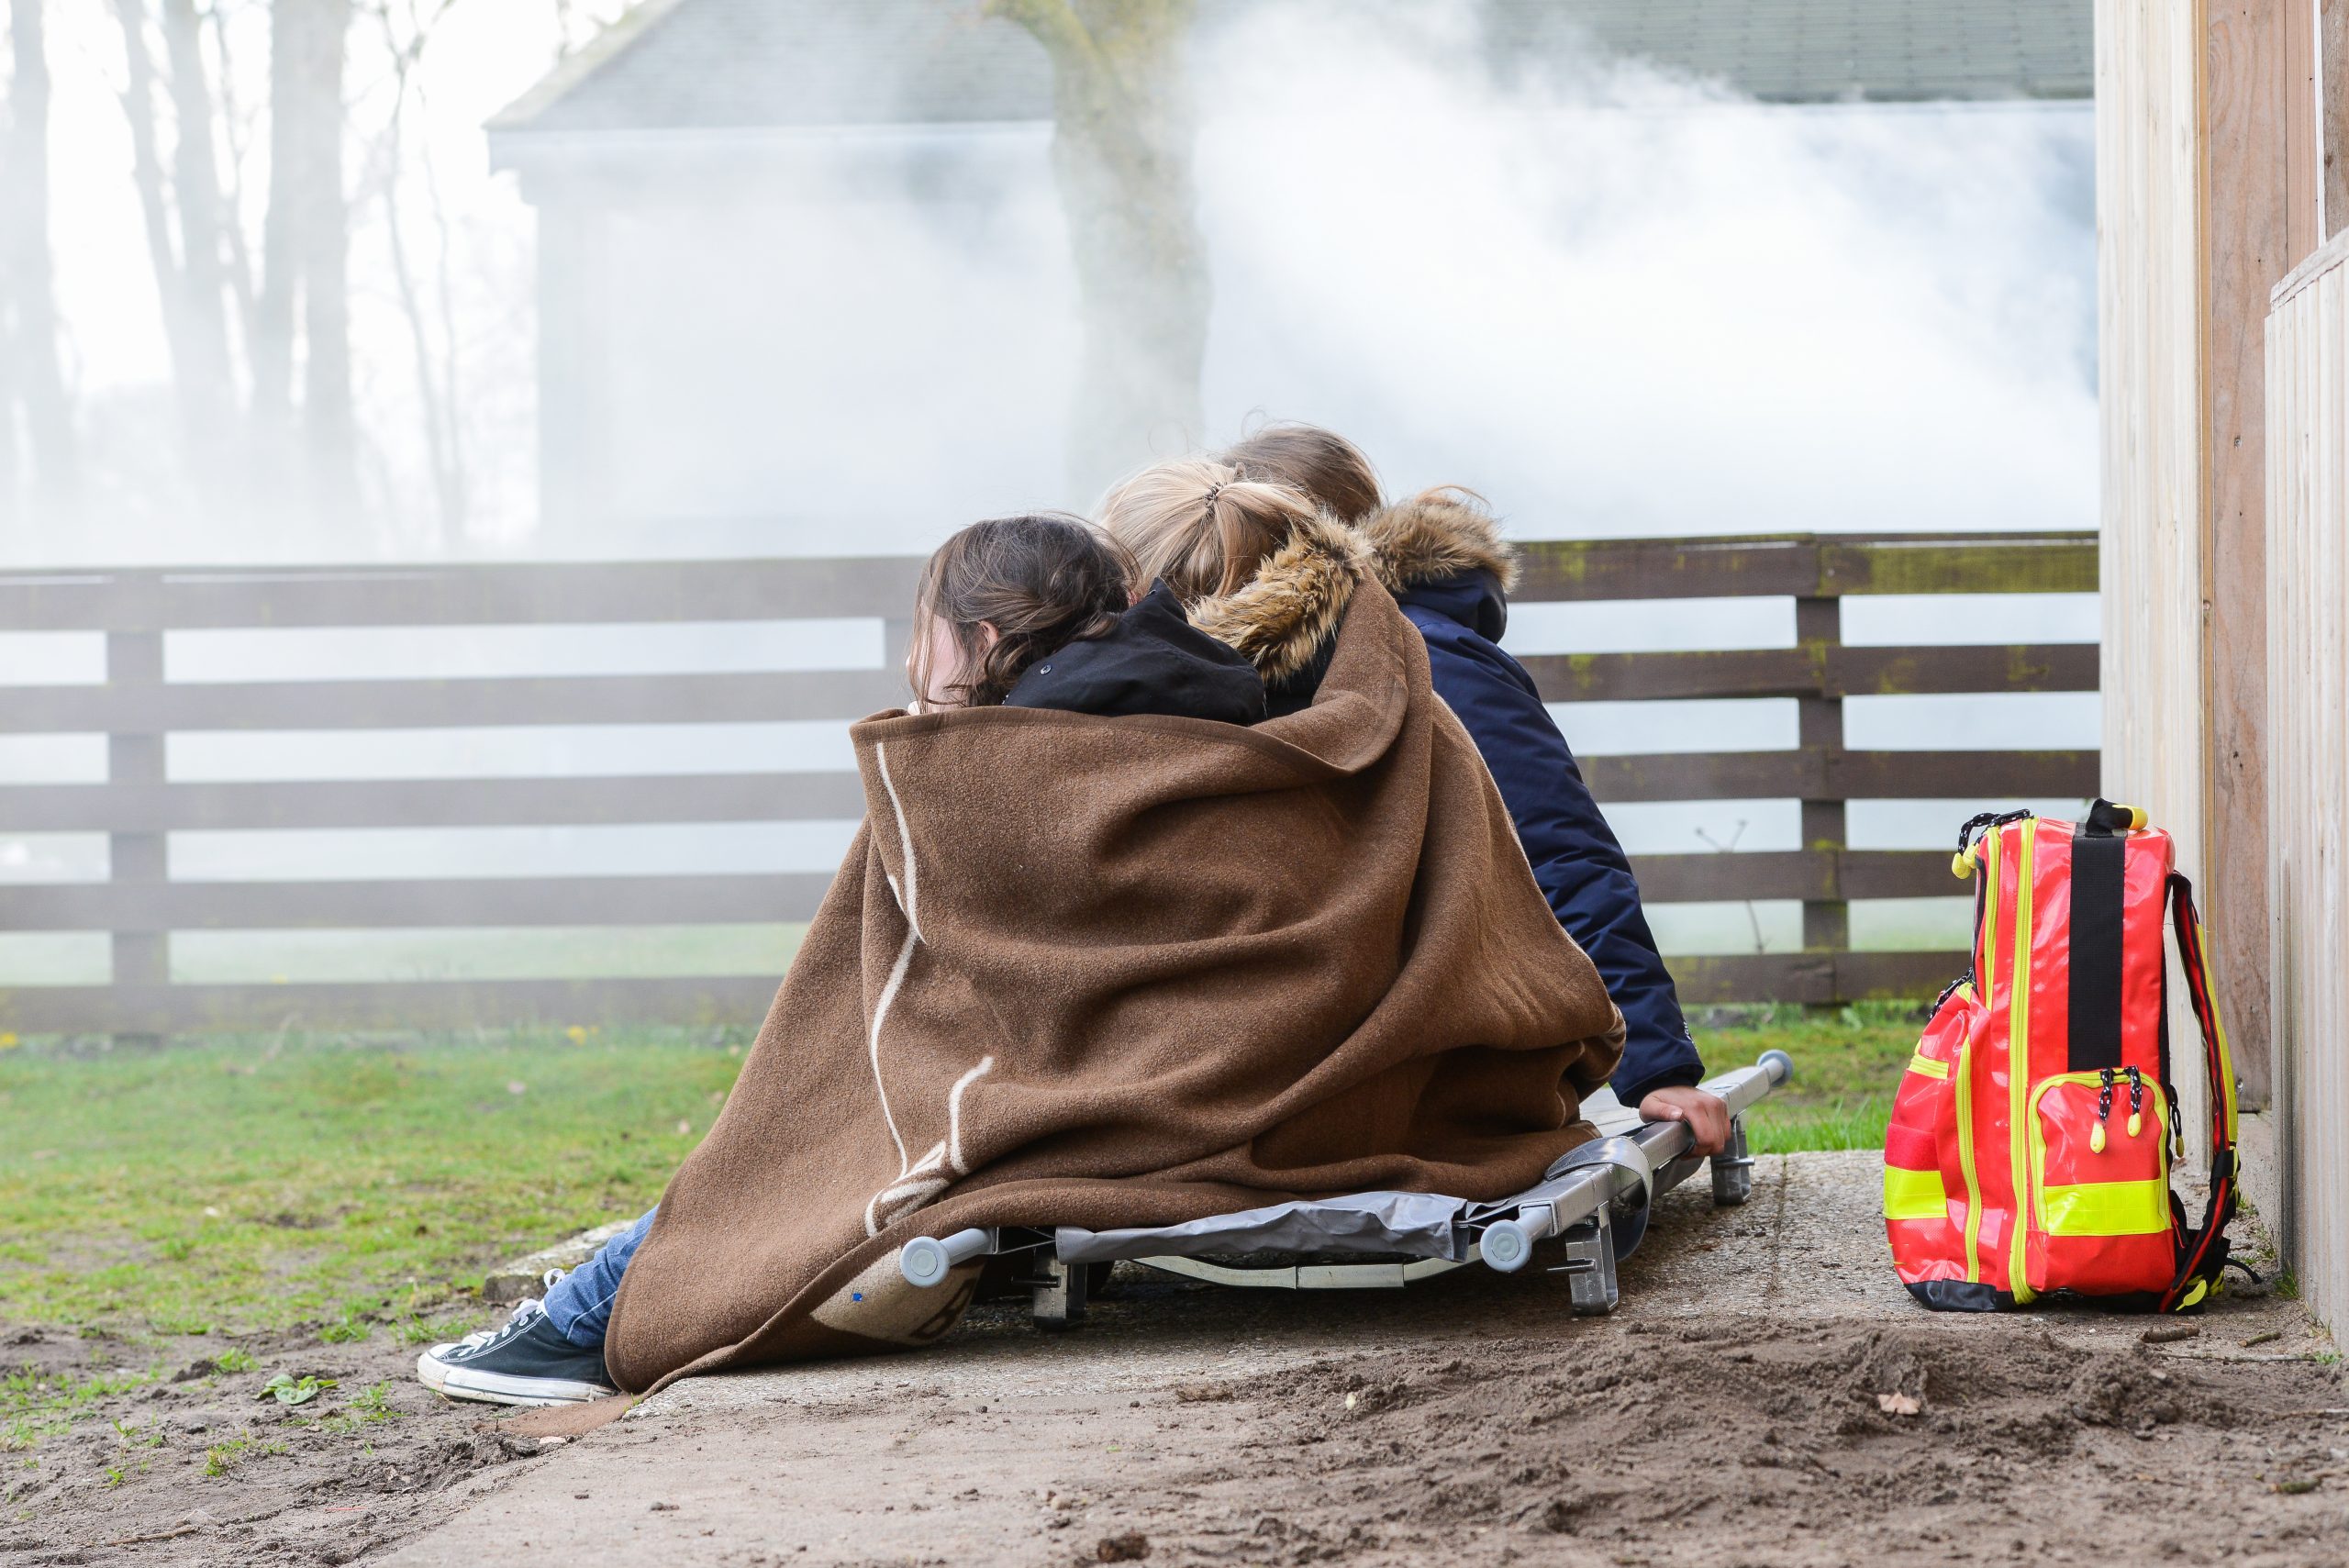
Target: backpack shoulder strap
[2205, 1252]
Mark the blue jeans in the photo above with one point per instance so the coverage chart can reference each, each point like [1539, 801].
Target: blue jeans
[580, 1305]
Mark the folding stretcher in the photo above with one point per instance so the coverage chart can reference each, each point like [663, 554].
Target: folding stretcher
[1594, 1201]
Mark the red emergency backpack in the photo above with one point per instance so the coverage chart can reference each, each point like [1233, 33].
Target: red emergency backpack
[2032, 1136]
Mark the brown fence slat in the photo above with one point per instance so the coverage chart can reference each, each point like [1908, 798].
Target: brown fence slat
[1639, 677]
[741, 698]
[1935, 775]
[1707, 776]
[1895, 976]
[1828, 774]
[655, 900]
[1973, 563]
[419, 902]
[403, 1006]
[1808, 977]
[1898, 874]
[1810, 874]
[1807, 565]
[1917, 672]
[434, 803]
[1665, 568]
[769, 588]
[541, 592]
[1802, 672]
[1712, 878]
[756, 797]
[1813, 978]
[774, 695]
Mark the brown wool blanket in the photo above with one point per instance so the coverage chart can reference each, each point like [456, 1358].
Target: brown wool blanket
[1118, 972]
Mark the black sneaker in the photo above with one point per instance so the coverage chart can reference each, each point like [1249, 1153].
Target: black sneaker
[524, 1362]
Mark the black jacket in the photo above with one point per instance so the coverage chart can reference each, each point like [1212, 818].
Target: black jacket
[1154, 661]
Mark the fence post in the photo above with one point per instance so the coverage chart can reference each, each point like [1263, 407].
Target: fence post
[141, 959]
[1826, 922]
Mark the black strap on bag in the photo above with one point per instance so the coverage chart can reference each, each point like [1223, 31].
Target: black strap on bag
[2204, 1252]
[2100, 885]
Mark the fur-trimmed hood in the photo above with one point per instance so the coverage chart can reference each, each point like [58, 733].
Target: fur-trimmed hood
[1284, 619]
[1435, 538]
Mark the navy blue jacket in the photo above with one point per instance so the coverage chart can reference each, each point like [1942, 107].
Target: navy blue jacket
[1575, 858]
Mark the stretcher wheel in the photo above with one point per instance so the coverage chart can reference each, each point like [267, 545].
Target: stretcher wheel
[1505, 1246]
[1060, 1295]
[1732, 1169]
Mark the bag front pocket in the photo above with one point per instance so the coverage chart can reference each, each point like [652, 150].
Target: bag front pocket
[2100, 1183]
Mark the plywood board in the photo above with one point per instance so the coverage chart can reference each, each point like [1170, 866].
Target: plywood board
[2308, 491]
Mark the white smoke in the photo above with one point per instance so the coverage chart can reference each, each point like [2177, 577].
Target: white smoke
[1619, 304]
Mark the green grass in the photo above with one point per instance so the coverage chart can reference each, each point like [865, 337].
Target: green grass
[250, 1184]
[35, 1405]
[1847, 1067]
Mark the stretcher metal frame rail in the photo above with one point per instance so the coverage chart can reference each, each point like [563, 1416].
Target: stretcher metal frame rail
[1595, 1202]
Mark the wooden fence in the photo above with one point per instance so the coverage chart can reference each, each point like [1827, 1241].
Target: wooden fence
[139, 906]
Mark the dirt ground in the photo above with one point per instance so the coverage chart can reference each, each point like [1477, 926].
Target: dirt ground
[1749, 1404]
[199, 1465]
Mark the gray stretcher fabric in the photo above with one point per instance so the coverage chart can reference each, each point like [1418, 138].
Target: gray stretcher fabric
[1421, 1225]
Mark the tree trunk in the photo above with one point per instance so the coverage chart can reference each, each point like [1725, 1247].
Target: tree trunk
[436, 396]
[271, 350]
[1121, 156]
[36, 380]
[195, 190]
[305, 241]
[199, 365]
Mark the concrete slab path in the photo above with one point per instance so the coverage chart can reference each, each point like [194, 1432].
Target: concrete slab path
[1159, 1419]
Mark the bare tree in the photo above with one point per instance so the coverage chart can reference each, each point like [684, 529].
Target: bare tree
[406, 26]
[194, 323]
[36, 381]
[244, 450]
[195, 197]
[1121, 156]
[305, 251]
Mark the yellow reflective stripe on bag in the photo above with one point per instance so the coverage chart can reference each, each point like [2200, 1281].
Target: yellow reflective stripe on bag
[1929, 1066]
[1914, 1194]
[2106, 1208]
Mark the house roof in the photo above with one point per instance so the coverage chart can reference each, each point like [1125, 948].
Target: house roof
[702, 64]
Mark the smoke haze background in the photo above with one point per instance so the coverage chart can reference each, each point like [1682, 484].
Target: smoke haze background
[1613, 302]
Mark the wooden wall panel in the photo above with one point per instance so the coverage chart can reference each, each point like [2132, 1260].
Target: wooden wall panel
[2332, 126]
[2149, 58]
[2247, 194]
[2308, 620]
[2302, 154]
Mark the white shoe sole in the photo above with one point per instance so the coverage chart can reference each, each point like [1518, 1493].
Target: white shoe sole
[494, 1388]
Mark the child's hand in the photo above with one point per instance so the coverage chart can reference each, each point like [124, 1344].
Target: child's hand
[1707, 1117]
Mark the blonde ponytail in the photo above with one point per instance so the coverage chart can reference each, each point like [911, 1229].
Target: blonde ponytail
[1199, 527]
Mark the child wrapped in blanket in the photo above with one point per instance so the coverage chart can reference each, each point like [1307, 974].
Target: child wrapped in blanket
[1023, 612]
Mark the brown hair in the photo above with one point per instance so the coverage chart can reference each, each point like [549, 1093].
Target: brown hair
[1199, 527]
[1329, 469]
[1042, 582]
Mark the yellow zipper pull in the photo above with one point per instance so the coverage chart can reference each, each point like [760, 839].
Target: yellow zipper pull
[2096, 1139]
